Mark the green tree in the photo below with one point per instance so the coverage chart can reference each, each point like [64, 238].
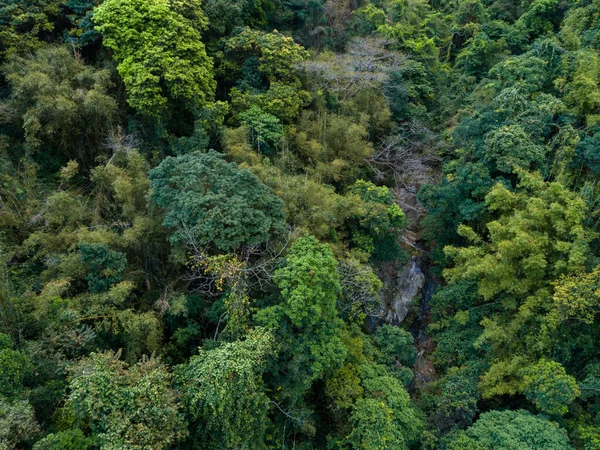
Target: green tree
[576, 297]
[126, 407]
[223, 393]
[374, 427]
[456, 403]
[208, 201]
[395, 345]
[265, 129]
[14, 366]
[72, 439]
[105, 267]
[509, 147]
[537, 236]
[277, 54]
[61, 103]
[513, 430]
[384, 418]
[23, 24]
[17, 423]
[549, 387]
[376, 231]
[306, 322]
[158, 47]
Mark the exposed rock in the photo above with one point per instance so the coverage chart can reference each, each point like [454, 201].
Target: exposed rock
[409, 283]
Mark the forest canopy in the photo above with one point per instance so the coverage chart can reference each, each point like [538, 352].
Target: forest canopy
[282, 224]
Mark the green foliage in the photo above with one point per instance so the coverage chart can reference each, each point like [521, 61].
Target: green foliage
[540, 17]
[361, 295]
[548, 386]
[582, 93]
[61, 103]
[265, 129]
[331, 148]
[309, 282]
[126, 407]
[510, 147]
[376, 229]
[538, 235]
[14, 366]
[72, 439]
[208, 201]
[396, 346]
[504, 430]
[490, 108]
[24, 23]
[224, 395]
[159, 50]
[272, 58]
[384, 418]
[105, 267]
[277, 54]
[456, 403]
[576, 297]
[306, 322]
[374, 427]
[81, 15]
[17, 423]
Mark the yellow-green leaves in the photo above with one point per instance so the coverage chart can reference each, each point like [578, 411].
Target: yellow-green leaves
[159, 50]
[548, 386]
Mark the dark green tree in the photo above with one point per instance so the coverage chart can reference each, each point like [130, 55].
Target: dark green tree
[208, 201]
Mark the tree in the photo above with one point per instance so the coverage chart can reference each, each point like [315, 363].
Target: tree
[105, 267]
[277, 54]
[376, 230]
[72, 439]
[538, 234]
[361, 291]
[306, 321]
[395, 345]
[576, 297]
[541, 17]
[62, 104]
[456, 403]
[522, 257]
[548, 386]
[511, 147]
[17, 423]
[225, 15]
[14, 366]
[383, 419]
[223, 393]
[270, 76]
[582, 93]
[24, 23]
[158, 47]
[126, 407]
[374, 427]
[511, 430]
[209, 202]
[265, 129]
[332, 148]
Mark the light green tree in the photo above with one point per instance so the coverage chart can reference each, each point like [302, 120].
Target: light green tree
[158, 47]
